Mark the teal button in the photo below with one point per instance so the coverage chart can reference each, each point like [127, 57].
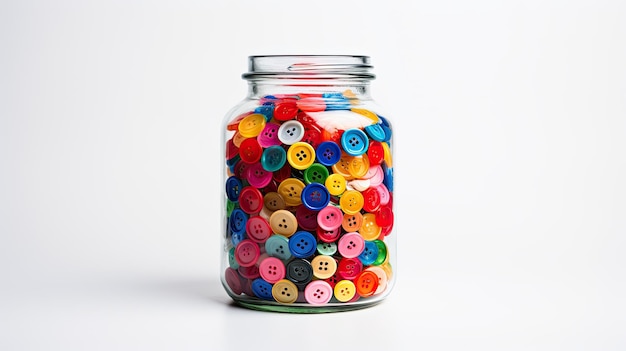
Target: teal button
[327, 249]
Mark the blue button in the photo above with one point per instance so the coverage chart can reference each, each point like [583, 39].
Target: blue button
[388, 179]
[278, 246]
[302, 244]
[376, 132]
[354, 142]
[236, 238]
[273, 158]
[267, 110]
[387, 133]
[237, 221]
[233, 187]
[369, 254]
[262, 289]
[384, 121]
[328, 153]
[335, 101]
[315, 196]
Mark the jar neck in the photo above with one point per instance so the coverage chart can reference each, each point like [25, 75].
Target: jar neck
[311, 74]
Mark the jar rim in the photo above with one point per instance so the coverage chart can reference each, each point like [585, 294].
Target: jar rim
[309, 67]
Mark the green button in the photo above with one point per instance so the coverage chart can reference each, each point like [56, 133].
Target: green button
[382, 253]
[317, 173]
[230, 206]
[327, 249]
[232, 262]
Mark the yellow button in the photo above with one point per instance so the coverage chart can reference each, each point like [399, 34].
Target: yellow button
[369, 229]
[351, 202]
[273, 201]
[344, 290]
[341, 167]
[323, 266]
[387, 154]
[284, 223]
[358, 166]
[349, 94]
[285, 291]
[301, 155]
[367, 113]
[336, 184]
[252, 125]
[290, 190]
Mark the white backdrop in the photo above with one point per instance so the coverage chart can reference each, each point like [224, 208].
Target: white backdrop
[510, 133]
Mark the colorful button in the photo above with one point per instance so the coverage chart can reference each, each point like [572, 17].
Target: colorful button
[376, 176]
[272, 269]
[252, 125]
[232, 150]
[351, 202]
[376, 132]
[300, 155]
[318, 292]
[327, 248]
[371, 200]
[358, 166]
[312, 136]
[258, 229]
[267, 110]
[250, 200]
[251, 272]
[273, 201]
[269, 135]
[382, 278]
[237, 221]
[257, 176]
[317, 173]
[382, 252]
[273, 158]
[387, 155]
[233, 187]
[307, 218]
[278, 246]
[315, 196]
[290, 132]
[366, 283]
[370, 230]
[352, 222]
[247, 253]
[238, 139]
[283, 173]
[354, 142]
[285, 291]
[286, 110]
[344, 290]
[388, 180]
[375, 152]
[349, 268]
[367, 113]
[284, 223]
[234, 281]
[323, 266]
[369, 254]
[290, 190]
[328, 153]
[384, 216]
[329, 218]
[342, 167]
[302, 244]
[335, 184]
[351, 245]
[299, 272]
[262, 289]
[328, 236]
[250, 151]
[383, 193]
[234, 124]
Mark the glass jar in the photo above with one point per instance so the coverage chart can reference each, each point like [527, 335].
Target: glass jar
[308, 188]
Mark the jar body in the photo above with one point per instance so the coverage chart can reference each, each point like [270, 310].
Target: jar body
[308, 214]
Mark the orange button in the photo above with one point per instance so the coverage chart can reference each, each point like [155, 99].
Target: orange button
[366, 283]
[252, 125]
[352, 222]
[358, 166]
[369, 229]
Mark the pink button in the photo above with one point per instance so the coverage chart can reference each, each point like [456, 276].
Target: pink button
[328, 236]
[258, 229]
[351, 245]
[269, 135]
[318, 292]
[247, 252]
[377, 175]
[329, 218]
[307, 219]
[382, 191]
[250, 200]
[257, 176]
[234, 281]
[272, 269]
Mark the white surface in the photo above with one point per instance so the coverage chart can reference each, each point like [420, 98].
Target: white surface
[510, 124]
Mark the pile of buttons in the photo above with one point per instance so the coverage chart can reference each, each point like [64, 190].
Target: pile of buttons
[309, 195]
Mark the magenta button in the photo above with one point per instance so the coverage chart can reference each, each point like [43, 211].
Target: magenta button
[234, 281]
[257, 176]
[269, 135]
[307, 219]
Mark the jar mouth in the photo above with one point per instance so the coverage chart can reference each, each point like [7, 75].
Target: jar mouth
[309, 67]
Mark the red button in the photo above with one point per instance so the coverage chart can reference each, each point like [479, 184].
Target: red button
[312, 136]
[307, 219]
[376, 153]
[250, 150]
[258, 229]
[371, 199]
[349, 268]
[250, 200]
[286, 110]
[283, 173]
[328, 236]
[241, 170]
[247, 253]
[384, 216]
[231, 149]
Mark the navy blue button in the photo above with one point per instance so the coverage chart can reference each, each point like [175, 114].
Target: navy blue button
[388, 179]
[302, 244]
[267, 110]
[262, 289]
[354, 142]
[335, 101]
[387, 133]
[369, 254]
[237, 221]
[233, 187]
[328, 153]
[315, 196]
[273, 158]
[278, 246]
[376, 132]
[299, 272]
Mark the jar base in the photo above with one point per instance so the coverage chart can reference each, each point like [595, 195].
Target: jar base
[271, 306]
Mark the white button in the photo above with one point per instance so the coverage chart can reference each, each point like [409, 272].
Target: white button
[290, 132]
